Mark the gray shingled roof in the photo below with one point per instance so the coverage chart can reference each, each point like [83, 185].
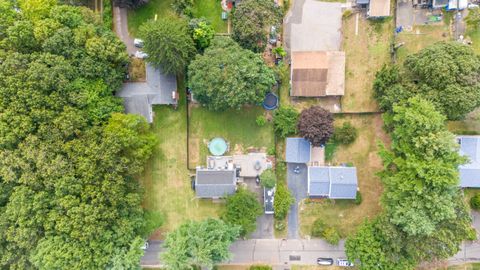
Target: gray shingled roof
[156, 90]
[215, 183]
[332, 182]
[297, 150]
[470, 172]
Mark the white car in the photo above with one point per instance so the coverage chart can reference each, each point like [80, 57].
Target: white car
[138, 43]
[344, 262]
[141, 55]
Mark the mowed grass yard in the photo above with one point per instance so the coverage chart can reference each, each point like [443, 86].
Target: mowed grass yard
[238, 127]
[210, 9]
[366, 52]
[345, 215]
[166, 178]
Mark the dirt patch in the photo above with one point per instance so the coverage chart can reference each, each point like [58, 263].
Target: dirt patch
[194, 151]
[136, 70]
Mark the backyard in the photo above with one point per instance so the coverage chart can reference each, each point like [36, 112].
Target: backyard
[166, 178]
[239, 128]
[210, 9]
[345, 215]
[366, 52]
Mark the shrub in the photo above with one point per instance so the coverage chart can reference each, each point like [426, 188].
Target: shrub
[285, 121]
[282, 202]
[280, 225]
[280, 51]
[347, 13]
[331, 235]
[475, 202]
[271, 151]
[318, 228]
[346, 134]
[316, 125]
[260, 267]
[202, 32]
[183, 7]
[261, 120]
[358, 198]
[268, 179]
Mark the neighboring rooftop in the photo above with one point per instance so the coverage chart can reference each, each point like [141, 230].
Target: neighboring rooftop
[318, 73]
[470, 172]
[332, 182]
[158, 89]
[379, 8]
[215, 183]
[297, 150]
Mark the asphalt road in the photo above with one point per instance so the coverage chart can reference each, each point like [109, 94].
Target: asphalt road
[297, 183]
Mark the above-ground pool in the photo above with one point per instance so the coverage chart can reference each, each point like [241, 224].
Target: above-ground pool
[217, 146]
[270, 102]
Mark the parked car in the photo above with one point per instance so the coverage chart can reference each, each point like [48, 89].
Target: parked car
[344, 262]
[141, 55]
[325, 261]
[138, 43]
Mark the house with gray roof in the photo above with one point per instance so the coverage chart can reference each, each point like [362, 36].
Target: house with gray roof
[215, 183]
[470, 172]
[332, 182]
[158, 89]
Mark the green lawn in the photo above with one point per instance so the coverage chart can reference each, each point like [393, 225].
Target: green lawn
[212, 11]
[470, 266]
[166, 178]
[146, 12]
[238, 127]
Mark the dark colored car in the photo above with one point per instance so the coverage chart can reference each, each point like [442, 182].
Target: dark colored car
[325, 261]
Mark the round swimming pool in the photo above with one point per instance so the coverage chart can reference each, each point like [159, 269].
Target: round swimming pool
[217, 146]
[270, 102]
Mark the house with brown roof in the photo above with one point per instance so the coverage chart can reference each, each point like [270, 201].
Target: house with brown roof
[317, 73]
[379, 9]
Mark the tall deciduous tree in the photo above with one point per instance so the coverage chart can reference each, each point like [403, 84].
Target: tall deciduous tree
[227, 76]
[168, 44]
[252, 20]
[199, 243]
[242, 209]
[268, 178]
[285, 121]
[316, 125]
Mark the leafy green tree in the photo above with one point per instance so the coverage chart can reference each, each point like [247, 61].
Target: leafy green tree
[227, 76]
[168, 44]
[475, 201]
[252, 20]
[345, 134]
[285, 121]
[199, 243]
[242, 209]
[202, 32]
[473, 18]
[283, 201]
[183, 7]
[331, 235]
[316, 125]
[36, 9]
[268, 179]
[318, 227]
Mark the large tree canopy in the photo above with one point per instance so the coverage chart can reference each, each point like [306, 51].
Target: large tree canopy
[202, 243]
[252, 20]
[242, 209]
[68, 199]
[425, 217]
[168, 43]
[316, 125]
[227, 76]
[446, 73]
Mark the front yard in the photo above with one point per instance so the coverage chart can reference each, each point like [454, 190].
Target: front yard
[238, 127]
[345, 215]
[212, 11]
[166, 178]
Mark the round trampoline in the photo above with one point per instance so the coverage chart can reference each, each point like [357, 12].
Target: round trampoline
[270, 102]
[217, 146]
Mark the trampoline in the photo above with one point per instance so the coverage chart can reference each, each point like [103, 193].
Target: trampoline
[218, 146]
[270, 102]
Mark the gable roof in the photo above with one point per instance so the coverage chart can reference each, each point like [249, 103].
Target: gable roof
[470, 172]
[297, 150]
[214, 183]
[332, 182]
[318, 73]
[379, 8]
[156, 90]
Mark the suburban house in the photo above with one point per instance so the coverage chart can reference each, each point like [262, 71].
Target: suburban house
[332, 182]
[335, 182]
[158, 89]
[317, 73]
[222, 173]
[379, 9]
[470, 172]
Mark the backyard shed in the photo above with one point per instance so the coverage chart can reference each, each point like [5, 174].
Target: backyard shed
[332, 182]
[379, 8]
[317, 73]
[470, 172]
[215, 183]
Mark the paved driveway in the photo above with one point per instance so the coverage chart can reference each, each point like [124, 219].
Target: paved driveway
[264, 228]
[312, 25]
[297, 183]
[405, 14]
